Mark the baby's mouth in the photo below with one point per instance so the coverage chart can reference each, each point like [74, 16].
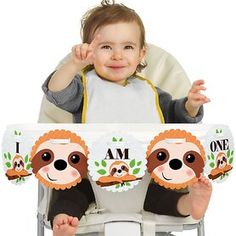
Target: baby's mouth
[116, 67]
[165, 177]
[50, 178]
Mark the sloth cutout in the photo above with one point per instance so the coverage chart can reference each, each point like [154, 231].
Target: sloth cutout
[175, 159]
[117, 162]
[59, 159]
[16, 159]
[219, 150]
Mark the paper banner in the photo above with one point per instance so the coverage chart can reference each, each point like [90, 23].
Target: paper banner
[175, 159]
[16, 158]
[117, 162]
[219, 150]
[59, 159]
[116, 154]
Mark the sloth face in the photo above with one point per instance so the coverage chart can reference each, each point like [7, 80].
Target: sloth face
[119, 170]
[175, 163]
[221, 161]
[18, 164]
[60, 164]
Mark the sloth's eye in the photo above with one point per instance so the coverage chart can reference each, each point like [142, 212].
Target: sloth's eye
[190, 158]
[75, 159]
[46, 156]
[122, 167]
[161, 156]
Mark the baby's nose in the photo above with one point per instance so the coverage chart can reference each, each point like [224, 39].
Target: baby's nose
[117, 55]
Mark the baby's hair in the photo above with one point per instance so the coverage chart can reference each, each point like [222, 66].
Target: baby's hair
[107, 13]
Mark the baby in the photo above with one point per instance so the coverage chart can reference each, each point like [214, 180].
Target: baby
[99, 84]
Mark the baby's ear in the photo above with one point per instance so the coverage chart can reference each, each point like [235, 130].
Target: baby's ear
[142, 53]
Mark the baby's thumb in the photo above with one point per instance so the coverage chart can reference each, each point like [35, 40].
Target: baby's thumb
[90, 58]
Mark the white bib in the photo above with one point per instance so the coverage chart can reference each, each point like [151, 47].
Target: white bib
[108, 102]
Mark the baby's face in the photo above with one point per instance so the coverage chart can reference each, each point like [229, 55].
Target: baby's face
[118, 52]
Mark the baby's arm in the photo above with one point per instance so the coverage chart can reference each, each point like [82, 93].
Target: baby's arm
[81, 56]
[195, 99]
[174, 110]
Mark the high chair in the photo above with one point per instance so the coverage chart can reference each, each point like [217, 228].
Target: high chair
[165, 72]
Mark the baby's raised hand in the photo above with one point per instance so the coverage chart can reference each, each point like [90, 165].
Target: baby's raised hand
[83, 54]
[195, 98]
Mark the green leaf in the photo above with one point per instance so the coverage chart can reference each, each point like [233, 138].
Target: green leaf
[127, 184]
[23, 179]
[212, 156]
[232, 153]
[114, 139]
[231, 160]
[121, 139]
[139, 163]
[136, 171]
[19, 133]
[132, 163]
[9, 155]
[209, 158]
[228, 153]
[212, 164]
[28, 166]
[15, 132]
[26, 158]
[96, 163]
[118, 185]
[102, 172]
[5, 155]
[8, 164]
[104, 164]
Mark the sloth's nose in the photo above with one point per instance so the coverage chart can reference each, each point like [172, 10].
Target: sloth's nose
[60, 165]
[175, 164]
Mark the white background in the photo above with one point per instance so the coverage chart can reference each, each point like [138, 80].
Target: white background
[35, 35]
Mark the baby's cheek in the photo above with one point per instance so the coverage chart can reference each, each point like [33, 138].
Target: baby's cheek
[46, 169]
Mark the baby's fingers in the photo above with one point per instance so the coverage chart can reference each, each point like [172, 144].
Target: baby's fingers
[199, 99]
[197, 89]
[198, 86]
[94, 43]
[76, 51]
[198, 82]
[80, 51]
[84, 51]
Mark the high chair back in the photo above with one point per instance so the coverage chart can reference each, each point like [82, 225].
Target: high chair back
[166, 73]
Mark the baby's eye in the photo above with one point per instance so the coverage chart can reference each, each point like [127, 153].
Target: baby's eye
[129, 47]
[106, 47]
